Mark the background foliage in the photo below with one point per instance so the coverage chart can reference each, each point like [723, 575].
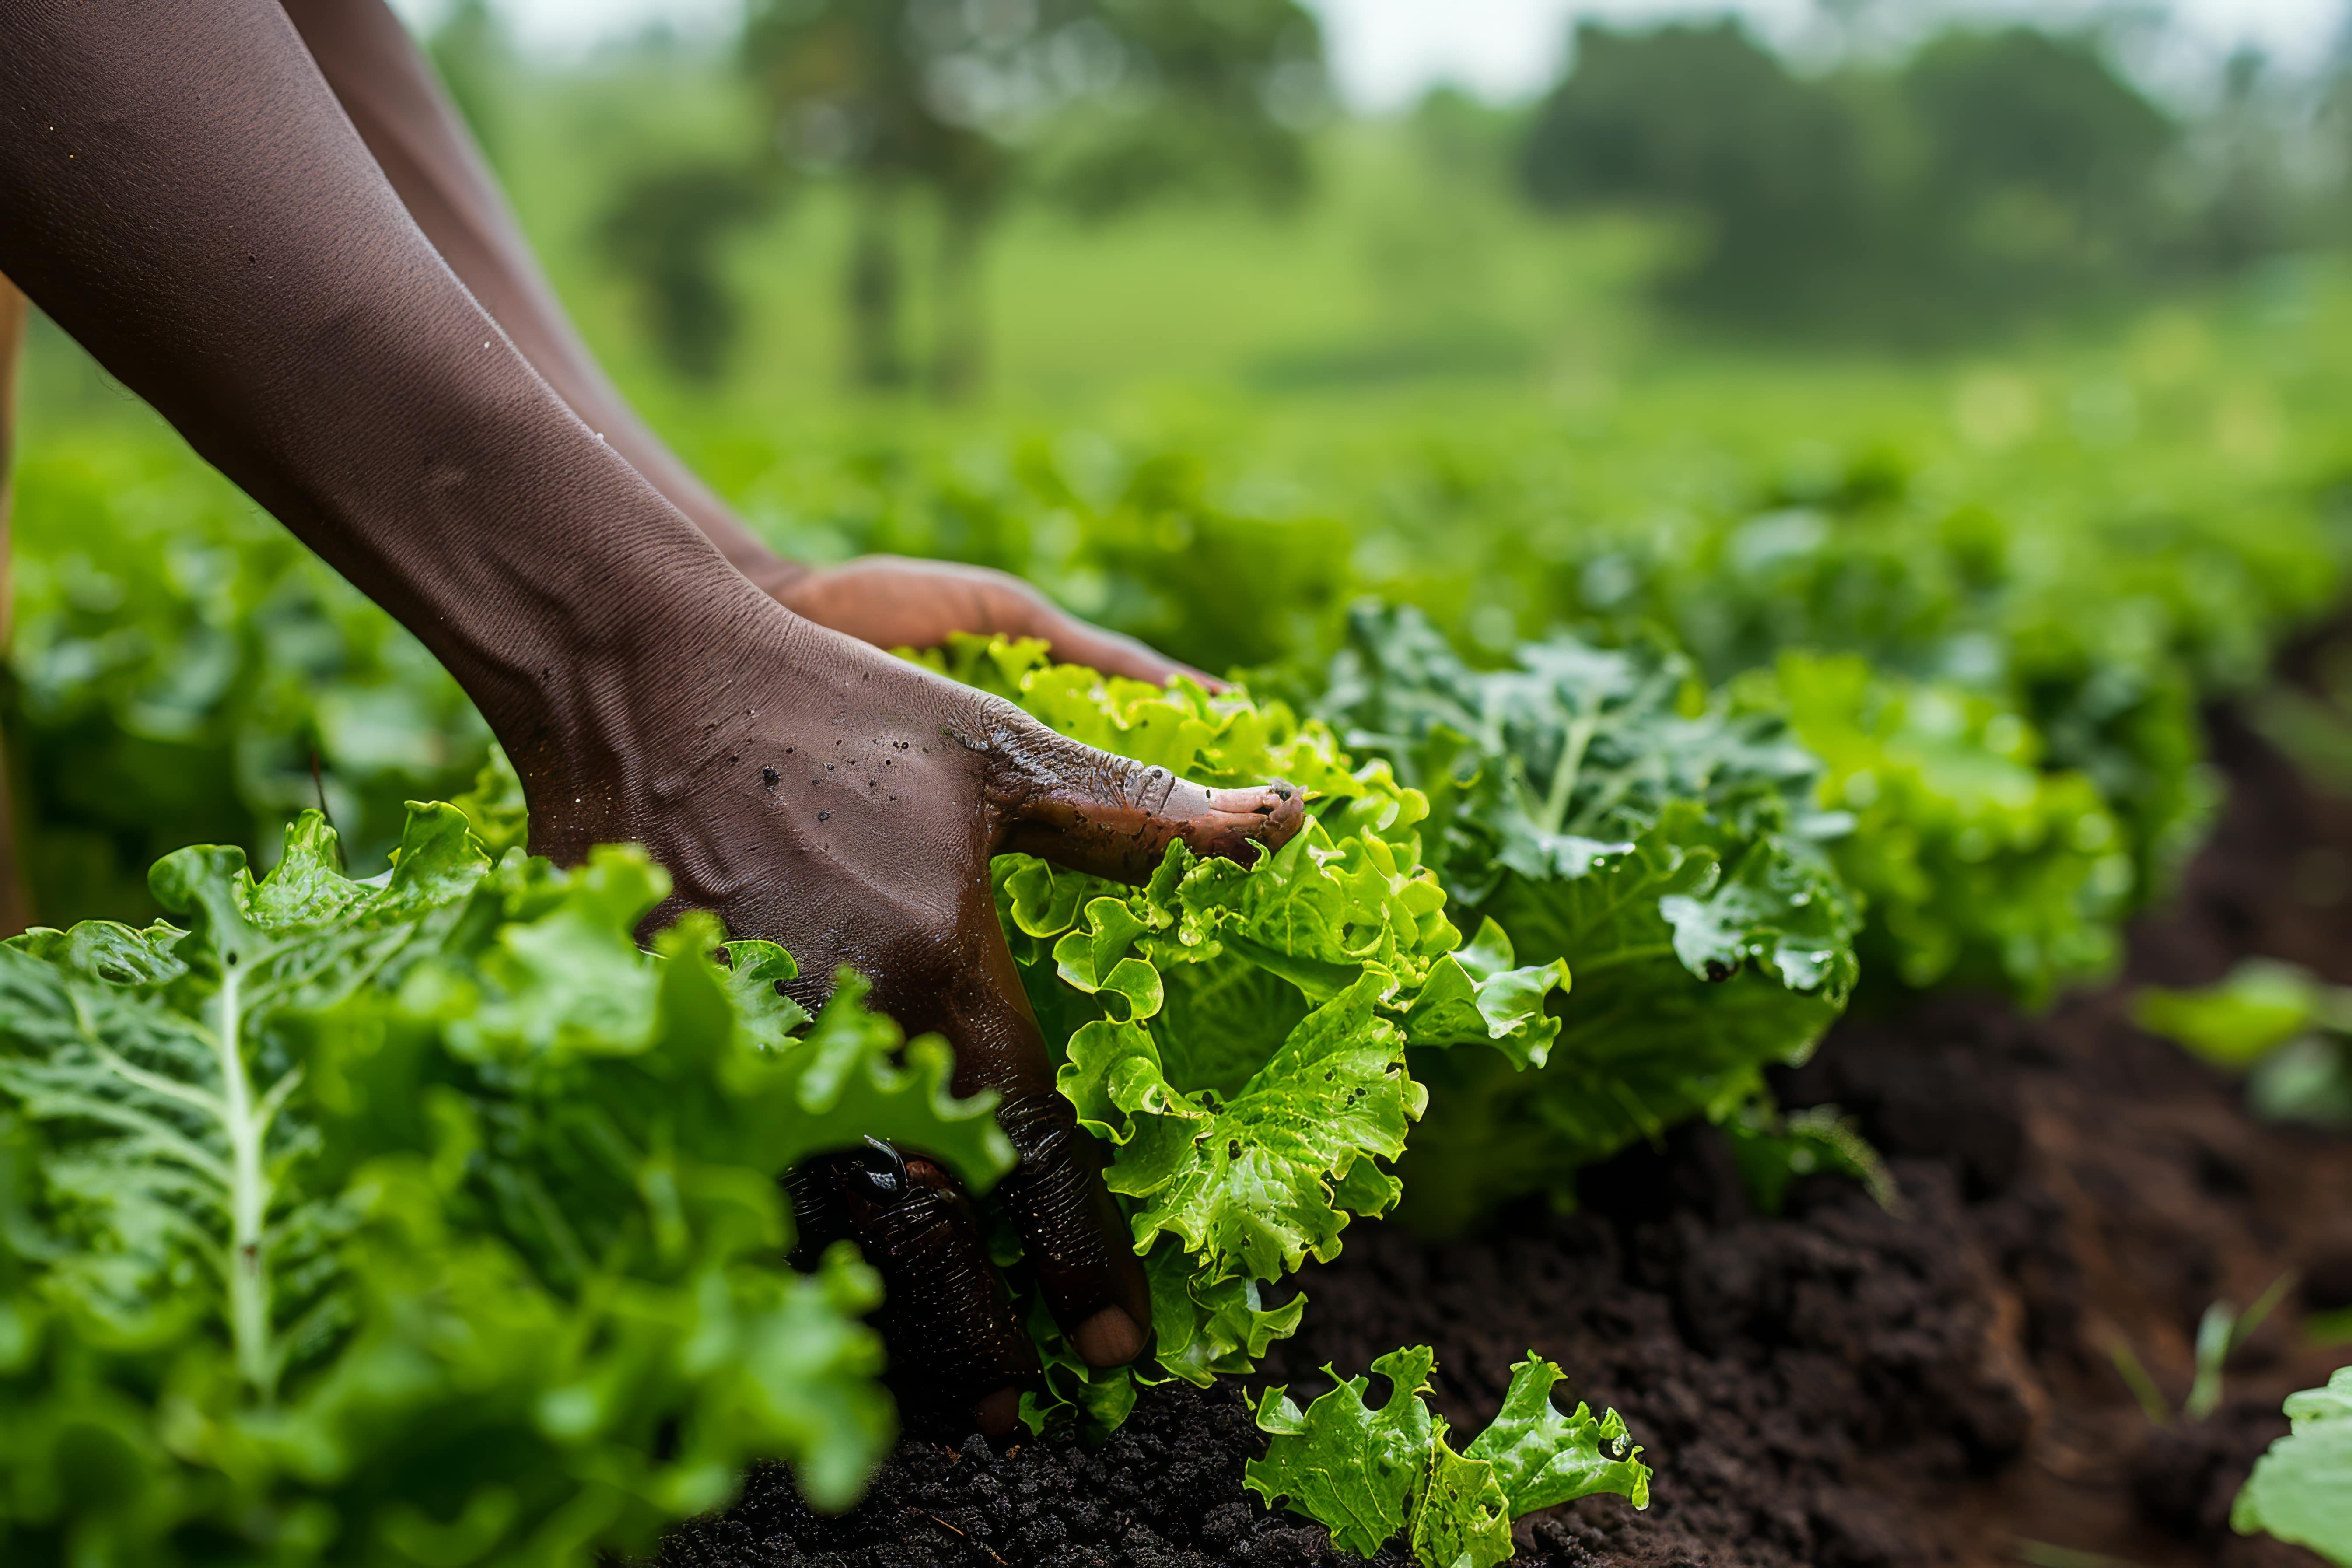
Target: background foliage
[1956, 399]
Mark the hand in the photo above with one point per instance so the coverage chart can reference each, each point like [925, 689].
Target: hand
[891, 602]
[806, 787]
[818, 793]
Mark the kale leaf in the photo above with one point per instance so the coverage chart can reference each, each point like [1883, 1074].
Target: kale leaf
[1605, 812]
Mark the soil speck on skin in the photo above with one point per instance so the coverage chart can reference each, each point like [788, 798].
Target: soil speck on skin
[1834, 1385]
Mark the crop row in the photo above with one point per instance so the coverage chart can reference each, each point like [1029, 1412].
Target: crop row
[423, 1218]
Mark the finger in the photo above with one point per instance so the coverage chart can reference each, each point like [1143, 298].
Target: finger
[999, 603]
[1076, 1239]
[959, 1356]
[892, 602]
[1073, 641]
[1091, 811]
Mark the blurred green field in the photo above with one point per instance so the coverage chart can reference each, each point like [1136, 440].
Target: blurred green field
[1215, 427]
[1676, 651]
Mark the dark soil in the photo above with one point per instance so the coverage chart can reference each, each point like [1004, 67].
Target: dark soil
[1837, 1385]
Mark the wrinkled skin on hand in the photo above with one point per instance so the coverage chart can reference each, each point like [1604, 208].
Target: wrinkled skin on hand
[187, 198]
[846, 803]
[914, 1226]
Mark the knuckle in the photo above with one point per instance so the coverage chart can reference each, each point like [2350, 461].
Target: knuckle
[1027, 762]
[921, 1224]
[1043, 1130]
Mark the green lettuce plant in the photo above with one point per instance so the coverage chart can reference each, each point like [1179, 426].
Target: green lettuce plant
[1978, 866]
[425, 1219]
[1973, 575]
[184, 671]
[1239, 1035]
[1604, 811]
[1373, 1474]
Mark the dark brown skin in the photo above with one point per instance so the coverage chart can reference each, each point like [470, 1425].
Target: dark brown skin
[182, 193]
[388, 87]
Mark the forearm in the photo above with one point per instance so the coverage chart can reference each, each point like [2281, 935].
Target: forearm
[184, 197]
[401, 112]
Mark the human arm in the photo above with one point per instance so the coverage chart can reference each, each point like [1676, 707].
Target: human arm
[186, 198]
[407, 120]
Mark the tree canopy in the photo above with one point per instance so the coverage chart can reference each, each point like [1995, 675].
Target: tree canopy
[1988, 168]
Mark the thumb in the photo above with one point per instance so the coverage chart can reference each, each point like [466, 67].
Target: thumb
[1089, 810]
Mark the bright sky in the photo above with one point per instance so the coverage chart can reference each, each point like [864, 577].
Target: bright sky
[1386, 51]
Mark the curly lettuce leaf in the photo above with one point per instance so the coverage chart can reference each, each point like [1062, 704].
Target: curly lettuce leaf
[1356, 1471]
[1535, 767]
[1478, 995]
[1979, 866]
[1204, 1329]
[1599, 807]
[1256, 1182]
[495, 810]
[426, 1217]
[149, 1059]
[2300, 1489]
[1369, 1476]
[1543, 1457]
[1238, 1034]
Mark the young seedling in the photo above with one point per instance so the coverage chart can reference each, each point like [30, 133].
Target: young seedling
[2219, 1333]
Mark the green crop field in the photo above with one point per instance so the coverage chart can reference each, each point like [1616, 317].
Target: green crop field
[1663, 688]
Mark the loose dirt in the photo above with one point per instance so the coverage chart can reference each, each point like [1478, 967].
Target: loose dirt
[1838, 1384]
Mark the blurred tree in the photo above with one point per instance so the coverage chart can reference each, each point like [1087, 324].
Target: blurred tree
[1184, 97]
[664, 230]
[2246, 190]
[2043, 159]
[1700, 118]
[1990, 171]
[1466, 136]
[1117, 102]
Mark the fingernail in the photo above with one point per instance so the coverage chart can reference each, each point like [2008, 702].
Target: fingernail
[994, 1413]
[1109, 1338]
